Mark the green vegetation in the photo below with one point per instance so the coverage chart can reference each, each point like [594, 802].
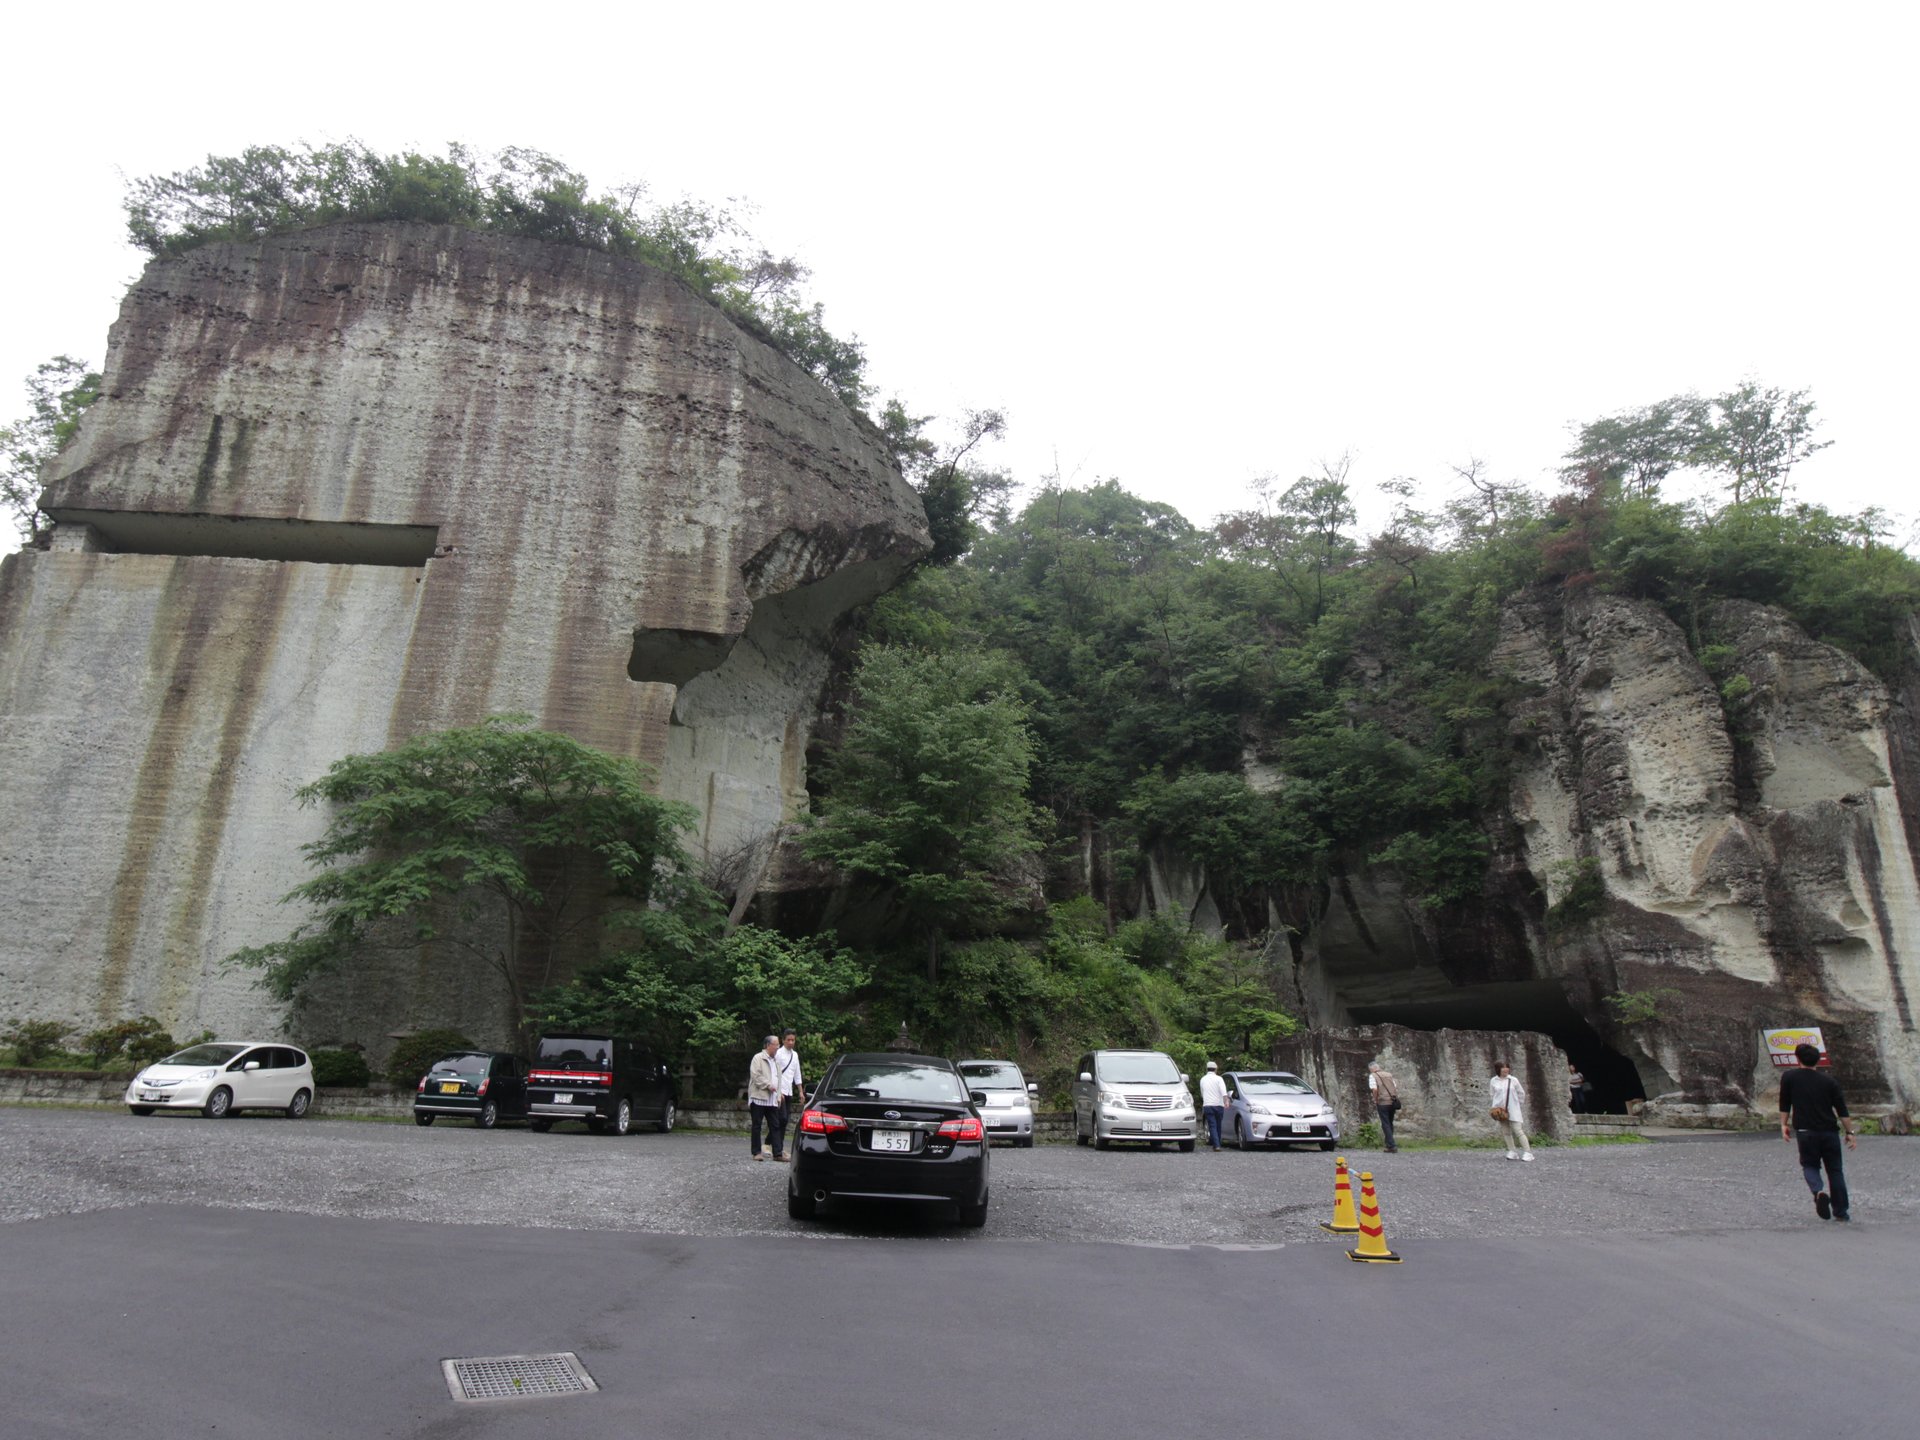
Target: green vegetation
[415, 1054]
[273, 190]
[34, 1042]
[1638, 1007]
[333, 1069]
[58, 392]
[1583, 895]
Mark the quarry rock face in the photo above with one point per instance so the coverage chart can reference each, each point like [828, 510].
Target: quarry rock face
[363, 482]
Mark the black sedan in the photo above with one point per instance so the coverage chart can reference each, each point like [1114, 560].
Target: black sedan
[484, 1086]
[890, 1127]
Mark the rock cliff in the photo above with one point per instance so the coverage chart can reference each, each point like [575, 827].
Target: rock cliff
[352, 484]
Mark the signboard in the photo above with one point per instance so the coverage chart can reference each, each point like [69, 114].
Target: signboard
[1780, 1044]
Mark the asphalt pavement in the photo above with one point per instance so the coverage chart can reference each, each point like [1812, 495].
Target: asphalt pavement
[175, 1276]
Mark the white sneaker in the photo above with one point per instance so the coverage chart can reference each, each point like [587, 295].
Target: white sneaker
[1527, 1156]
[1513, 1155]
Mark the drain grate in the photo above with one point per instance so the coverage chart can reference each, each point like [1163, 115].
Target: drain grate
[516, 1377]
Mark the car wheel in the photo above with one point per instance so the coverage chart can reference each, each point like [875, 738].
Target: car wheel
[1240, 1135]
[623, 1118]
[420, 1119]
[974, 1216]
[1186, 1147]
[219, 1104]
[800, 1207]
[1100, 1142]
[540, 1127]
[1327, 1144]
[667, 1115]
[488, 1117]
[302, 1099]
[1078, 1138]
[141, 1109]
[1025, 1142]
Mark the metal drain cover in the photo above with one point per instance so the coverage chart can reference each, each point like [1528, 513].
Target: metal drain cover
[517, 1377]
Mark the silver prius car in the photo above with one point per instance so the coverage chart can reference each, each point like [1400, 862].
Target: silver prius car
[1006, 1106]
[1273, 1107]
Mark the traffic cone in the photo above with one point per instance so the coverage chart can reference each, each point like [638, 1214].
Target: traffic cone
[1343, 1222]
[1373, 1235]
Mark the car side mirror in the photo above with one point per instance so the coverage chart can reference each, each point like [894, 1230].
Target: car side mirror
[979, 1097]
[251, 1065]
[1033, 1089]
[1084, 1077]
[1185, 1079]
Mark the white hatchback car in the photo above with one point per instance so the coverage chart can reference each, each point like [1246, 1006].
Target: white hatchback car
[224, 1077]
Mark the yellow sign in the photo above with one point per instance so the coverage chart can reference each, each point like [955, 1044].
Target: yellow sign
[1780, 1044]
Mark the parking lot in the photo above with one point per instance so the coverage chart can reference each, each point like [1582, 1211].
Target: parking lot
[264, 1276]
[692, 1183]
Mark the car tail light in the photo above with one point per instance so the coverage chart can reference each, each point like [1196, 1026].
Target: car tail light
[423, 1083]
[483, 1088]
[573, 1077]
[819, 1122]
[967, 1129]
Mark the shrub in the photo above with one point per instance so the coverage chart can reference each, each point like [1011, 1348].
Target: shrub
[334, 1068]
[413, 1056]
[1365, 1136]
[109, 1042]
[34, 1040]
[146, 1049]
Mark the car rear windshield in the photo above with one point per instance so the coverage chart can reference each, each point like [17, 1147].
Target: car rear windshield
[461, 1065]
[994, 1076]
[1275, 1085]
[204, 1055]
[893, 1080]
[574, 1052]
[1139, 1067]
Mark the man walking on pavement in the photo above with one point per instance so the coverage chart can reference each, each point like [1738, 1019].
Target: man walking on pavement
[786, 1066]
[1213, 1102]
[763, 1099]
[1814, 1111]
[1386, 1101]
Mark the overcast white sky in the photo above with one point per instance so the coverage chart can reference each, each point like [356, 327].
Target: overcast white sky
[1182, 247]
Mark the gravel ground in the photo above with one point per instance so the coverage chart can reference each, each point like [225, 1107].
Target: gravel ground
[66, 1161]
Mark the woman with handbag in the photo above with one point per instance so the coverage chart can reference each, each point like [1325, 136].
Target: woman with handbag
[1509, 1100]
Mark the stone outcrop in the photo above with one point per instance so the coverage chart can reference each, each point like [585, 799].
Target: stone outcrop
[357, 483]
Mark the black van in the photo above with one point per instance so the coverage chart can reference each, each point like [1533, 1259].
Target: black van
[609, 1083]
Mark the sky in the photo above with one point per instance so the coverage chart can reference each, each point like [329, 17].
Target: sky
[1182, 248]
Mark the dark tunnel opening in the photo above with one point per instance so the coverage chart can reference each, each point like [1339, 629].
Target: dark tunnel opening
[1531, 1005]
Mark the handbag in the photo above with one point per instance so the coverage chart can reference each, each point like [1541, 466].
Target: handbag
[1499, 1112]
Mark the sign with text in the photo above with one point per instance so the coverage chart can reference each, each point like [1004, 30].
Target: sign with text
[1780, 1044]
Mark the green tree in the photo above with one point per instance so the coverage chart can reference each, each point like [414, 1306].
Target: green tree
[926, 794]
[497, 844]
[1757, 436]
[59, 391]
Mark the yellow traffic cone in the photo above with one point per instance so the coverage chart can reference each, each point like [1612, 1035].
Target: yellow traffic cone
[1343, 1222]
[1373, 1235]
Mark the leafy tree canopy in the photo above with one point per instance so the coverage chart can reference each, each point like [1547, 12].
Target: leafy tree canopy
[58, 392]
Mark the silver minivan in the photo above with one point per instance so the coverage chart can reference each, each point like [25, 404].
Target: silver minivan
[1136, 1095]
[1004, 1099]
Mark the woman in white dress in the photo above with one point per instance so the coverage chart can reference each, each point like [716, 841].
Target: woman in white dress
[1507, 1096]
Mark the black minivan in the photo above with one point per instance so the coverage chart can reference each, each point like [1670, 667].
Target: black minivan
[609, 1083]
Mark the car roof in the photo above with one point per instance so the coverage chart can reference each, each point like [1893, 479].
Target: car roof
[988, 1060]
[1289, 1074]
[892, 1057]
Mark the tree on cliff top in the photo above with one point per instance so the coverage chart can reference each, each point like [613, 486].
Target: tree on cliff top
[272, 190]
[496, 845]
[59, 391]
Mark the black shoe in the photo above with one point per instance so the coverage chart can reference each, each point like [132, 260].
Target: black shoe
[1844, 1219]
[1823, 1206]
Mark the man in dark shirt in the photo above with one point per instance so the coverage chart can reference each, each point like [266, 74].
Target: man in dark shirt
[1813, 1110]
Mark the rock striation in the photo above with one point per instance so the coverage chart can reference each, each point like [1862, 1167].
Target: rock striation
[356, 483]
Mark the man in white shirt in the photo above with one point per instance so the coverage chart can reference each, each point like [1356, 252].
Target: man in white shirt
[1213, 1102]
[786, 1069]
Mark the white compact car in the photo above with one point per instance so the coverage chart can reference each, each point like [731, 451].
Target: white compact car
[224, 1077]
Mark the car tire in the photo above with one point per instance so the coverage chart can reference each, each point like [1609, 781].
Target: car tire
[219, 1104]
[1328, 1144]
[302, 1101]
[974, 1216]
[1078, 1138]
[800, 1207]
[1025, 1142]
[667, 1116]
[1100, 1142]
[540, 1127]
[488, 1117]
[623, 1118]
[1186, 1147]
[1240, 1135]
[420, 1119]
[141, 1109]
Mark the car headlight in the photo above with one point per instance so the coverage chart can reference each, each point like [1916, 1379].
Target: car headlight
[1258, 1110]
[1112, 1100]
[207, 1074]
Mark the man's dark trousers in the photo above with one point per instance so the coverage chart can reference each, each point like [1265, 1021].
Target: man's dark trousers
[1822, 1147]
[1386, 1113]
[769, 1115]
[1214, 1114]
[777, 1129]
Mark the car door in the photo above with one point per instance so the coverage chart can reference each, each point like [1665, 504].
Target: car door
[249, 1085]
[1082, 1092]
[1236, 1113]
[508, 1085]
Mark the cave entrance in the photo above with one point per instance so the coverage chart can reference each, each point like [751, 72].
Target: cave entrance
[1539, 1005]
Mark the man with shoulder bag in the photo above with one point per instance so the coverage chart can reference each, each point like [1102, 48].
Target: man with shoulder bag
[1385, 1094]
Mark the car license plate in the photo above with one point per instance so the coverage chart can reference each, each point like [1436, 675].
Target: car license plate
[897, 1140]
[1150, 1125]
[1300, 1127]
[152, 1095]
[450, 1089]
[563, 1099]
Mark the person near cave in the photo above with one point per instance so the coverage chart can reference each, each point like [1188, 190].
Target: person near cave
[1579, 1090]
[1813, 1110]
[1385, 1094]
[1508, 1101]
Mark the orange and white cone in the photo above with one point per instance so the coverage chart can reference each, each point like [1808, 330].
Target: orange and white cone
[1344, 1221]
[1373, 1235]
